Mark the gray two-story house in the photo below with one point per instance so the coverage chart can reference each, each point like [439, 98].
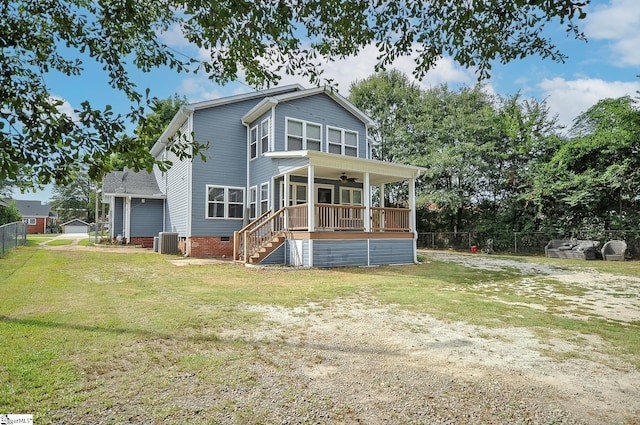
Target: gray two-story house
[288, 179]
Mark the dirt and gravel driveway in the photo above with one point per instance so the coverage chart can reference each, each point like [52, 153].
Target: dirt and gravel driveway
[358, 362]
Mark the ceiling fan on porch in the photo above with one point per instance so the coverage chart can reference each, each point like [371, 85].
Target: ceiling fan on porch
[344, 179]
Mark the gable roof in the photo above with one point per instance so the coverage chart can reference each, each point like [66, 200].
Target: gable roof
[139, 184]
[186, 110]
[272, 101]
[75, 222]
[33, 208]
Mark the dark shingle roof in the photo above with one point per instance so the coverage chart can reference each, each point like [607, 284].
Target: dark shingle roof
[33, 208]
[129, 182]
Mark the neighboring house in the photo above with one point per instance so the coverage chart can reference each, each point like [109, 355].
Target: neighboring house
[271, 154]
[75, 226]
[36, 215]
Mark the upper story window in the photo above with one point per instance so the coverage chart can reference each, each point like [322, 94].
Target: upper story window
[225, 202]
[253, 142]
[264, 136]
[303, 135]
[341, 141]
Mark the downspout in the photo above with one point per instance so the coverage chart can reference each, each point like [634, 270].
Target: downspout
[189, 193]
[246, 214]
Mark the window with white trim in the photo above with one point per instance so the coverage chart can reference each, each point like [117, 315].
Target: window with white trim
[30, 221]
[253, 143]
[297, 193]
[264, 197]
[264, 136]
[303, 135]
[342, 142]
[225, 202]
[253, 202]
[350, 196]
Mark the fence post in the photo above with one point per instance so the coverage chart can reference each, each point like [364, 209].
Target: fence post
[515, 242]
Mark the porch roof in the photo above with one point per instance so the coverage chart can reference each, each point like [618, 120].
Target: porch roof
[331, 166]
[139, 184]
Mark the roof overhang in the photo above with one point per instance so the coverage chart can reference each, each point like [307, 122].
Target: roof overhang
[269, 102]
[133, 195]
[331, 166]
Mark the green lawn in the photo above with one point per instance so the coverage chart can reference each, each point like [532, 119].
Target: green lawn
[87, 330]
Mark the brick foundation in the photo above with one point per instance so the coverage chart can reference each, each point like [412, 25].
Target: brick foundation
[211, 246]
[145, 241]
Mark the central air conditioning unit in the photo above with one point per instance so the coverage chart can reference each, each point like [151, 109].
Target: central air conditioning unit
[168, 243]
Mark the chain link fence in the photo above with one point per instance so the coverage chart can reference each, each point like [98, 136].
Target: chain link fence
[12, 235]
[528, 243]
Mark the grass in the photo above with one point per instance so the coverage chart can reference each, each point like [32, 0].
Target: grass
[87, 331]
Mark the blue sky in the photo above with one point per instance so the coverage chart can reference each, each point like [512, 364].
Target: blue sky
[606, 66]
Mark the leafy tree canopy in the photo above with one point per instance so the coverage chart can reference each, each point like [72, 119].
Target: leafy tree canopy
[74, 199]
[260, 39]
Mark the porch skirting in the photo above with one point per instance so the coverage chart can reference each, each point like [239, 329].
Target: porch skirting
[344, 249]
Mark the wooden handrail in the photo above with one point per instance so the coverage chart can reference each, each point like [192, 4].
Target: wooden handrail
[252, 237]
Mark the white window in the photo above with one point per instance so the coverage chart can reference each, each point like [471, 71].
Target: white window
[30, 221]
[297, 193]
[350, 196]
[253, 143]
[264, 197]
[303, 135]
[341, 141]
[264, 136]
[225, 202]
[253, 200]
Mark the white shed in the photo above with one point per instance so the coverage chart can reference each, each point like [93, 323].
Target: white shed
[75, 226]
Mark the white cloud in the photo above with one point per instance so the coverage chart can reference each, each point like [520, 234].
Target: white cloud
[618, 22]
[570, 98]
[66, 108]
[345, 71]
[174, 37]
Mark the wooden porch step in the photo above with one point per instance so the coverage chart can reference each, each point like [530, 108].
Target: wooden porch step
[266, 249]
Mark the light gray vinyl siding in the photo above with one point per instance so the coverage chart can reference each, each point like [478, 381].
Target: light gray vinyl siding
[177, 192]
[118, 213]
[389, 251]
[226, 165]
[319, 109]
[146, 218]
[338, 253]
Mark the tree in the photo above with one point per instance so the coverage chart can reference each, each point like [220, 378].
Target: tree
[261, 40]
[75, 199]
[593, 180]
[9, 214]
[154, 123]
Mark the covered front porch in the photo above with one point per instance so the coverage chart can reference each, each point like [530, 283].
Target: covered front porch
[344, 217]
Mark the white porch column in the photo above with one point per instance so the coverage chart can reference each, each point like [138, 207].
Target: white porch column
[285, 200]
[311, 199]
[126, 219]
[382, 195]
[412, 217]
[367, 203]
[311, 208]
